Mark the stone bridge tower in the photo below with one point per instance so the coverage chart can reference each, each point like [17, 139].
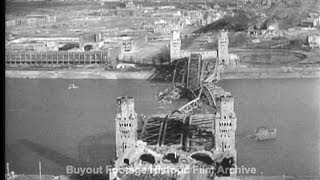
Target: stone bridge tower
[126, 125]
[175, 45]
[223, 48]
[225, 127]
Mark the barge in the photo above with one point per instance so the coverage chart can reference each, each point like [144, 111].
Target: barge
[264, 133]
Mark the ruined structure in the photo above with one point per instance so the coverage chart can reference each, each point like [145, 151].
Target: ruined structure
[126, 125]
[60, 58]
[223, 47]
[165, 27]
[89, 40]
[31, 20]
[195, 67]
[175, 45]
[222, 53]
[176, 53]
[62, 51]
[196, 141]
[129, 11]
[202, 143]
[225, 127]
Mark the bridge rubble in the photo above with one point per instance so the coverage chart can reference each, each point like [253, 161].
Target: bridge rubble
[170, 94]
[187, 143]
[176, 141]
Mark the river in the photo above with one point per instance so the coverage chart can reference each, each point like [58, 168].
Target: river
[47, 122]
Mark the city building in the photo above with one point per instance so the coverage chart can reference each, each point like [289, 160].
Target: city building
[129, 11]
[165, 27]
[31, 20]
[267, 3]
[89, 40]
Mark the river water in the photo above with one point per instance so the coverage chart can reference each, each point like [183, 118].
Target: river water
[48, 123]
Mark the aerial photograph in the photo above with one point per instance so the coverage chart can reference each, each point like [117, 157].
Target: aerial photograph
[162, 90]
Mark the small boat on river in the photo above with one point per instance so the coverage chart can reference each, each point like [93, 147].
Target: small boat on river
[72, 86]
[264, 133]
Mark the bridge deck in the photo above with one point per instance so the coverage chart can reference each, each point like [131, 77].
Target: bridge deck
[174, 130]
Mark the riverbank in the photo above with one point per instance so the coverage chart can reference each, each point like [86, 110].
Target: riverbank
[78, 74]
[270, 73]
[230, 73]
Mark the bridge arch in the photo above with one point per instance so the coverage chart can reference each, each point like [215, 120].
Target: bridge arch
[201, 152]
[207, 92]
[147, 157]
[203, 156]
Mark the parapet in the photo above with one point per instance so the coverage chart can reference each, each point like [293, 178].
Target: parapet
[125, 105]
[227, 98]
[125, 99]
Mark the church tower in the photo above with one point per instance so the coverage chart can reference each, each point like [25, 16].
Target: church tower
[175, 45]
[126, 125]
[225, 127]
[223, 48]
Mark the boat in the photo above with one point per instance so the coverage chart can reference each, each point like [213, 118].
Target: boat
[264, 133]
[72, 86]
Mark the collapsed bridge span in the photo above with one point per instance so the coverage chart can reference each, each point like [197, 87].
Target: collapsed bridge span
[191, 137]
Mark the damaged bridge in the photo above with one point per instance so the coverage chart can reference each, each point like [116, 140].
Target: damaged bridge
[193, 137]
[186, 130]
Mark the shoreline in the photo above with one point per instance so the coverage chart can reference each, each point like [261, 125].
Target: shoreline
[78, 74]
[236, 73]
[271, 73]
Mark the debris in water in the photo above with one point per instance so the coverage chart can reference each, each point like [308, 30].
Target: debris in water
[264, 133]
[72, 86]
[170, 95]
